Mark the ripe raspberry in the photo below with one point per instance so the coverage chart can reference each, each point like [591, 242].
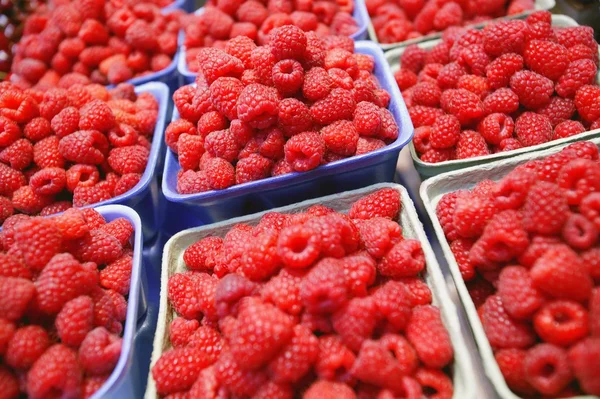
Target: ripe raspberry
[181, 330]
[296, 358]
[36, 130]
[534, 90]
[562, 282]
[426, 93]
[84, 146]
[578, 178]
[221, 144]
[9, 131]
[572, 36]
[26, 346]
[202, 254]
[532, 129]
[502, 331]
[75, 320]
[38, 240]
[471, 144]
[449, 14]
[590, 208]
[16, 295]
[561, 323]
[230, 290]
[334, 360]
[463, 104]
[377, 365]
[582, 52]
[586, 101]
[578, 74]
[424, 116]
[293, 117]
[405, 78]
[378, 235]
[323, 289]
[405, 259]
[288, 42]
[367, 119]
[546, 209]
[117, 275]
[471, 214]
[55, 372]
[215, 63]
[474, 84]
[288, 76]
[434, 381]
[503, 101]
[583, 359]
[340, 137]
[520, 298]
[131, 159]
[394, 303]
[558, 110]
[100, 351]
[547, 369]
[496, 127]
[511, 363]
[505, 37]
[382, 203]
[298, 246]
[460, 249]
[305, 151]
[546, 58]
[254, 167]
[355, 322]
[426, 332]
[177, 369]
[445, 132]
[367, 144]
[328, 389]
[48, 181]
[338, 104]
[257, 105]
[413, 58]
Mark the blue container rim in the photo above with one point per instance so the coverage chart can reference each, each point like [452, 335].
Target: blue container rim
[396, 106]
[176, 5]
[360, 14]
[118, 375]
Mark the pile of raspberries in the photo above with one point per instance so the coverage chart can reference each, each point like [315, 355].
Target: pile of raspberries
[515, 84]
[94, 41]
[225, 19]
[401, 20]
[316, 305]
[71, 147]
[528, 249]
[289, 106]
[63, 288]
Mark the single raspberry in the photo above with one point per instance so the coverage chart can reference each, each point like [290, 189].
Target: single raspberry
[355, 322]
[83, 195]
[572, 36]
[296, 358]
[561, 322]
[578, 179]
[496, 127]
[590, 208]
[578, 74]
[12, 266]
[583, 359]
[131, 159]
[334, 360]
[445, 214]
[293, 117]
[445, 132]
[449, 14]
[471, 214]
[75, 320]
[367, 119]
[426, 93]
[382, 203]
[558, 110]
[338, 104]
[215, 63]
[394, 303]
[117, 275]
[413, 58]
[36, 130]
[209, 341]
[547, 368]
[38, 240]
[562, 282]
[435, 381]
[18, 155]
[519, 297]
[546, 58]
[48, 181]
[379, 235]
[427, 334]
[328, 389]
[283, 291]
[505, 37]
[221, 144]
[503, 331]
[17, 293]
[55, 372]
[257, 105]
[305, 151]
[26, 346]
[288, 42]
[582, 52]
[224, 94]
[376, 365]
[511, 363]
[424, 116]
[568, 128]
[474, 84]
[298, 246]
[84, 146]
[533, 89]
[405, 259]
[288, 76]
[460, 249]
[405, 78]
[503, 101]
[323, 289]
[254, 167]
[100, 351]
[260, 260]
[586, 101]
[340, 137]
[471, 144]
[177, 369]
[533, 129]
[546, 209]
[230, 290]
[463, 104]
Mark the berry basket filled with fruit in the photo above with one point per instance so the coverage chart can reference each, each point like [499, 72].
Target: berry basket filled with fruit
[290, 306]
[521, 239]
[71, 289]
[404, 22]
[293, 132]
[504, 94]
[215, 23]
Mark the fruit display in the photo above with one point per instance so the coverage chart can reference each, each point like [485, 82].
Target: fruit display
[63, 287]
[513, 84]
[527, 247]
[316, 304]
[221, 20]
[261, 111]
[401, 20]
[94, 41]
[71, 147]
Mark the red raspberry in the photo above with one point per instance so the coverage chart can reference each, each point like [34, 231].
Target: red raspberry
[296, 358]
[426, 93]
[202, 254]
[177, 369]
[496, 127]
[262, 330]
[338, 104]
[445, 213]
[340, 137]
[98, 246]
[519, 297]
[26, 346]
[288, 42]
[590, 208]
[511, 363]
[37, 129]
[75, 320]
[558, 110]
[405, 78]
[582, 52]
[55, 372]
[434, 381]
[586, 101]
[65, 122]
[38, 240]
[579, 73]
[221, 144]
[382, 203]
[359, 273]
[561, 323]
[534, 90]
[463, 104]
[263, 62]
[367, 144]
[208, 340]
[532, 129]
[367, 119]
[572, 36]
[460, 249]
[48, 181]
[9, 131]
[328, 389]
[334, 360]
[215, 63]
[131, 159]
[394, 303]
[122, 136]
[474, 84]
[376, 365]
[224, 93]
[140, 36]
[237, 380]
[84, 146]
[11, 266]
[209, 122]
[413, 58]
[288, 76]
[100, 351]
[421, 139]
[426, 332]
[18, 106]
[293, 117]
[471, 144]
[424, 116]
[578, 178]
[254, 167]
[117, 275]
[505, 37]
[257, 105]
[10, 180]
[405, 259]
[543, 358]
[445, 132]
[182, 292]
[471, 214]
[503, 101]
[510, 144]
[583, 359]
[83, 195]
[323, 289]
[9, 383]
[570, 282]
[502, 331]
[298, 246]
[537, 247]
[378, 235]
[18, 155]
[305, 151]
[449, 75]
[16, 295]
[283, 291]
[119, 228]
[546, 209]
[449, 14]
[92, 384]
[546, 58]
[260, 260]
[181, 330]
[355, 322]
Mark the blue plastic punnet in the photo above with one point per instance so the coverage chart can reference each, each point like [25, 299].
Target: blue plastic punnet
[360, 14]
[189, 210]
[186, 5]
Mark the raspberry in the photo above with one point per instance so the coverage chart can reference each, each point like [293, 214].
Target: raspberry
[471, 144]
[260, 260]
[393, 302]
[208, 340]
[323, 288]
[496, 127]
[293, 117]
[341, 78]
[9, 131]
[16, 295]
[48, 181]
[38, 240]
[546, 209]
[367, 119]
[215, 63]
[10, 180]
[9, 383]
[37, 129]
[177, 369]
[505, 37]
[463, 104]
[445, 213]
[296, 358]
[99, 351]
[254, 167]
[474, 84]
[209, 122]
[534, 90]
[117, 275]
[376, 365]
[355, 322]
[413, 58]
[340, 137]
[26, 346]
[257, 105]
[75, 320]
[582, 52]
[405, 259]
[460, 249]
[274, 390]
[511, 363]
[382, 203]
[288, 76]
[471, 214]
[230, 290]
[424, 116]
[502, 331]
[590, 208]
[298, 246]
[334, 360]
[510, 144]
[448, 15]
[547, 368]
[561, 322]
[11, 266]
[583, 359]
[220, 144]
[558, 110]
[405, 78]
[379, 235]
[572, 36]
[426, 332]
[578, 178]
[224, 93]
[435, 381]
[338, 104]
[578, 74]
[445, 132]
[533, 129]
[546, 58]
[84, 146]
[55, 372]
[283, 291]
[567, 129]
[263, 329]
[551, 276]
[503, 101]
[520, 298]
[305, 151]
[288, 42]
[449, 75]
[328, 389]
[131, 159]
[586, 101]
[92, 384]
[426, 93]
[367, 144]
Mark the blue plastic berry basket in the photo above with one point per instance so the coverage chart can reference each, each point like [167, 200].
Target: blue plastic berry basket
[346, 174]
[144, 198]
[186, 5]
[360, 14]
